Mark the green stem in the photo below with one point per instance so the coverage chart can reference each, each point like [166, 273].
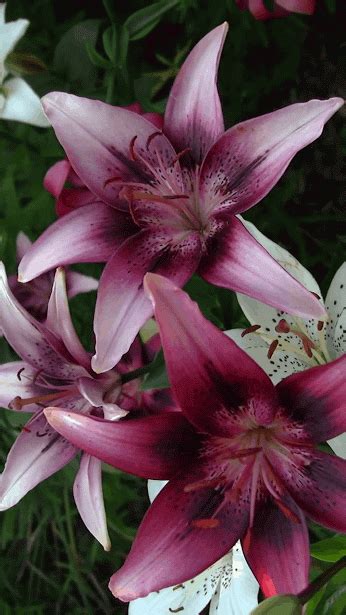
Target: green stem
[321, 580]
[137, 373]
[110, 86]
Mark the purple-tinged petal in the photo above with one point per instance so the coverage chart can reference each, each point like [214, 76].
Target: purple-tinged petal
[78, 283]
[93, 391]
[37, 453]
[316, 398]
[87, 491]
[207, 370]
[60, 323]
[16, 380]
[23, 244]
[259, 11]
[298, 6]
[56, 176]
[73, 198]
[169, 549]
[193, 116]
[277, 549]
[88, 237]
[249, 159]
[104, 150]
[237, 261]
[319, 489]
[122, 307]
[28, 339]
[151, 447]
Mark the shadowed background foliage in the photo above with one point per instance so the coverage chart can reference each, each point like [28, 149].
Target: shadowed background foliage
[49, 563]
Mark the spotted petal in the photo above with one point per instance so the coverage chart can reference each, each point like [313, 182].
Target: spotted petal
[16, 379]
[336, 308]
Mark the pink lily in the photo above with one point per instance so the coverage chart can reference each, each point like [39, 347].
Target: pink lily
[281, 8]
[180, 190]
[253, 469]
[34, 296]
[55, 369]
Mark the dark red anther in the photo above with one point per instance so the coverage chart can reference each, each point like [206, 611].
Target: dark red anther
[158, 133]
[320, 325]
[205, 524]
[250, 330]
[315, 294]
[19, 373]
[273, 346]
[132, 148]
[180, 155]
[307, 345]
[116, 178]
[282, 326]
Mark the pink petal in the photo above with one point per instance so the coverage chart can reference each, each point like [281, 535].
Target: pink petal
[16, 381]
[87, 491]
[249, 159]
[23, 244]
[37, 453]
[207, 370]
[73, 198]
[27, 337]
[193, 116]
[316, 398]
[122, 307]
[154, 446]
[87, 236]
[78, 283]
[277, 549]
[319, 489]
[298, 6]
[60, 323]
[258, 9]
[56, 176]
[101, 150]
[169, 549]
[236, 260]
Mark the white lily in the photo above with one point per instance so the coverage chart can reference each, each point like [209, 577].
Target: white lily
[228, 585]
[283, 344]
[17, 100]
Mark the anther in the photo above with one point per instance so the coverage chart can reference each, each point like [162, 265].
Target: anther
[204, 484]
[307, 345]
[158, 133]
[250, 330]
[26, 429]
[116, 178]
[282, 326]
[273, 346]
[132, 149]
[315, 294]
[180, 155]
[320, 325]
[19, 373]
[205, 524]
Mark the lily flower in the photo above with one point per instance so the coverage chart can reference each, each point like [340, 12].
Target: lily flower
[34, 296]
[229, 586]
[180, 189]
[55, 369]
[283, 344]
[17, 100]
[243, 463]
[281, 8]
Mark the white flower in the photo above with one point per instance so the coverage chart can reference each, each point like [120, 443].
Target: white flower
[228, 585]
[284, 344]
[17, 100]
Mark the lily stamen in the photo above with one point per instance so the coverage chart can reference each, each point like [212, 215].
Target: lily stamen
[251, 329]
[18, 403]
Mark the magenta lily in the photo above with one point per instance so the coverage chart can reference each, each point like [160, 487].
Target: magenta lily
[167, 201]
[281, 8]
[55, 370]
[253, 469]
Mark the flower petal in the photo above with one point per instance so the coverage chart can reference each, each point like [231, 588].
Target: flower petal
[87, 491]
[298, 6]
[277, 549]
[249, 159]
[336, 308]
[319, 489]
[151, 447]
[37, 453]
[169, 549]
[22, 104]
[237, 261]
[90, 236]
[122, 307]
[207, 371]
[56, 176]
[100, 151]
[338, 445]
[23, 244]
[10, 33]
[316, 398]
[78, 283]
[16, 381]
[193, 116]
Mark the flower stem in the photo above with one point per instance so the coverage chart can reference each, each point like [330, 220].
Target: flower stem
[321, 580]
[136, 373]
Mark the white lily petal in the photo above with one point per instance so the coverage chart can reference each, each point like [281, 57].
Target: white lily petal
[336, 308]
[281, 364]
[22, 104]
[154, 488]
[338, 444]
[10, 33]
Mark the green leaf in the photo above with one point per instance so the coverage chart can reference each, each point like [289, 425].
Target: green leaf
[140, 23]
[330, 549]
[109, 39]
[96, 58]
[123, 46]
[156, 378]
[110, 8]
[279, 605]
[71, 57]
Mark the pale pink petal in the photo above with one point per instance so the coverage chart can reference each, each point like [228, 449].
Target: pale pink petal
[87, 491]
[94, 391]
[90, 237]
[56, 176]
[277, 549]
[23, 244]
[151, 447]
[78, 283]
[122, 307]
[16, 380]
[104, 150]
[193, 116]
[169, 549]
[60, 323]
[237, 261]
[37, 453]
[206, 369]
[22, 104]
[249, 159]
[316, 397]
